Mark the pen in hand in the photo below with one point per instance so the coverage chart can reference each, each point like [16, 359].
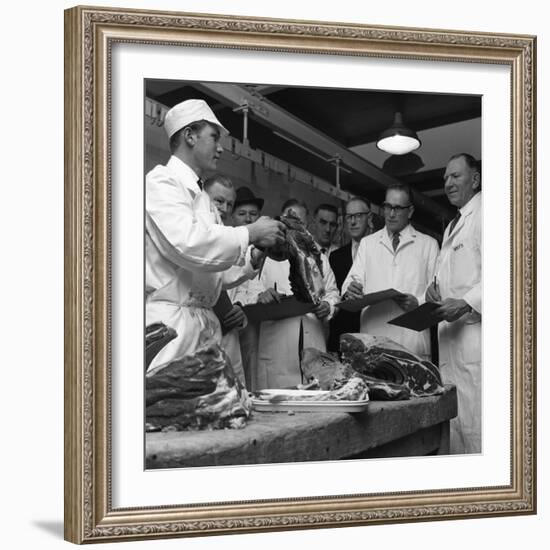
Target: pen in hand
[355, 289]
[433, 295]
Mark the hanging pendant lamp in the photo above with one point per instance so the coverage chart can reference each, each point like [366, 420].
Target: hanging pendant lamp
[398, 139]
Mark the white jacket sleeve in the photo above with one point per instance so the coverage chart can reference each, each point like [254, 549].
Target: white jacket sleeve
[183, 238]
[357, 271]
[331, 294]
[237, 275]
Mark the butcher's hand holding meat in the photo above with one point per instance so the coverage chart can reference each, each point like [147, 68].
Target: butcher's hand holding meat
[265, 232]
[304, 256]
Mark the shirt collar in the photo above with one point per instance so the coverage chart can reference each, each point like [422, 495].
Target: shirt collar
[406, 233]
[328, 249]
[471, 204]
[184, 173]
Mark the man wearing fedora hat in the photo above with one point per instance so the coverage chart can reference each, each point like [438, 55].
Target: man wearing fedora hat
[185, 249]
[247, 206]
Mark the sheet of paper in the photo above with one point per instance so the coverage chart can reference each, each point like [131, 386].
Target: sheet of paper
[369, 299]
[287, 307]
[419, 318]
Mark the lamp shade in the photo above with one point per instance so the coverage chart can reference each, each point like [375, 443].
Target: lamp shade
[401, 165]
[398, 140]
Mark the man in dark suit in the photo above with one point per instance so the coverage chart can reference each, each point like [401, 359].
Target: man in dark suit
[358, 220]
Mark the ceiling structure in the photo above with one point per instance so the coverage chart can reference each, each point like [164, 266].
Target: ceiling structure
[311, 127]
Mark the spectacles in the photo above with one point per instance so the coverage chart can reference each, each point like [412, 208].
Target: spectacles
[356, 217]
[389, 207]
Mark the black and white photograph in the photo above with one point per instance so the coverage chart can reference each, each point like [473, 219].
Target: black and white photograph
[313, 273]
[286, 305]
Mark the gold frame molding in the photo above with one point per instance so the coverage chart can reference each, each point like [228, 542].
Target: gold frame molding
[89, 35]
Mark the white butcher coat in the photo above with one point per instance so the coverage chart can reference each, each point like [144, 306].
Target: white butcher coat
[409, 269]
[278, 355]
[185, 254]
[459, 276]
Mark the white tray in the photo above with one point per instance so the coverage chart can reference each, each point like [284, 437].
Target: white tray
[306, 405]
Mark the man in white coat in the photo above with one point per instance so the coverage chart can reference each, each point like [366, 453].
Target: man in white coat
[185, 249]
[400, 257]
[458, 287]
[279, 341]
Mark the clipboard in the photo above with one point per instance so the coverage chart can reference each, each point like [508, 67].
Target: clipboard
[222, 307]
[288, 307]
[419, 318]
[369, 300]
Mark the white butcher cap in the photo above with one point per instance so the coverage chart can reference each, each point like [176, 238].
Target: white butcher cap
[185, 113]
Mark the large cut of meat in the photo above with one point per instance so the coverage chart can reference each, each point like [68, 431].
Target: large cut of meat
[157, 336]
[322, 367]
[383, 359]
[329, 373]
[304, 256]
[195, 393]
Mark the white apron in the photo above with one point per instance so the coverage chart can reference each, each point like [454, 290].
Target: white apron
[278, 347]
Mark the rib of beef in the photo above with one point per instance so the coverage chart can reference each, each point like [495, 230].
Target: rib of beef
[385, 360]
[331, 374]
[195, 393]
[304, 256]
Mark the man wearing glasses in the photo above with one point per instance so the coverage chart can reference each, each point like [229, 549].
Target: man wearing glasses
[358, 222]
[399, 257]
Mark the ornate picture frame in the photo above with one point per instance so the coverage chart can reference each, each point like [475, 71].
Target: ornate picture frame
[90, 34]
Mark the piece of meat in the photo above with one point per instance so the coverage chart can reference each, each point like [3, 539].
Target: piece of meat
[323, 367]
[351, 389]
[331, 374]
[196, 393]
[304, 256]
[383, 359]
[380, 390]
[355, 388]
[157, 336]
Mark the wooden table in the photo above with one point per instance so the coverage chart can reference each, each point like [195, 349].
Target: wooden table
[388, 428]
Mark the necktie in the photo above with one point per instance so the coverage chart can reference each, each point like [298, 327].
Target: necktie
[395, 241]
[323, 250]
[454, 222]
[354, 248]
[200, 183]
